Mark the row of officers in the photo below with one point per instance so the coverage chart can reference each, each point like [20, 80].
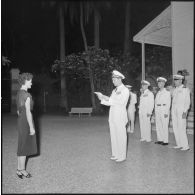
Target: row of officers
[175, 102]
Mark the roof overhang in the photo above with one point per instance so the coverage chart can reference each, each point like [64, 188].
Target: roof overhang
[158, 31]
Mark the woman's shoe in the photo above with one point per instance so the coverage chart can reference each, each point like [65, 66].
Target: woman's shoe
[20, 175]
[28, 175]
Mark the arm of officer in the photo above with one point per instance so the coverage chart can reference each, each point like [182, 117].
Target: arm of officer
[134, 98]
[104, 101]
[187, 100]
[150, 103]
[120, 99]
[168, 102]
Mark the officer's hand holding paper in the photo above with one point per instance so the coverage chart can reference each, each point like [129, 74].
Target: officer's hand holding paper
[101, 96]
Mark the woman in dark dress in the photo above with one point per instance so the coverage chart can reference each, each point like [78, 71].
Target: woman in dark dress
[27, 144]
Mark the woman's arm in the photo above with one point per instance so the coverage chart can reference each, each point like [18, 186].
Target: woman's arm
[29, 116]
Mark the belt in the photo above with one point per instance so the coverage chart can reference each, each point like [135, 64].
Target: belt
[161, 104]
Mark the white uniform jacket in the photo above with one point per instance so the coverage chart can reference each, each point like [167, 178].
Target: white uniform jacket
[117, 102]
[163, 101]
[181, 98]
[146, 104]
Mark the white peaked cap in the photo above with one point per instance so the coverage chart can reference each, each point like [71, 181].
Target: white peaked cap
[128, 86]
[178, 76]
[145, 82]
[116, 73]
[161, 79]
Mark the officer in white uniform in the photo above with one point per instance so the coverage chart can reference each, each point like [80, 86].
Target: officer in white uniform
[146, 107]
[131, 110]
[180, 106]
[162, 112]
[117, 116]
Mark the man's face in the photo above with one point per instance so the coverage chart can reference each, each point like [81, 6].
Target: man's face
[116, 81]
[161, 84]
[177, 82]
[144, 87]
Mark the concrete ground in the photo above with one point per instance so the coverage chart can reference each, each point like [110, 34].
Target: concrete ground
[75, 158]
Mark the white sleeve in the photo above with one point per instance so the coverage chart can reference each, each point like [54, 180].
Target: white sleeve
[187, 100]
[168, 102]
[134, 99]
[150, 103]
[104, 102]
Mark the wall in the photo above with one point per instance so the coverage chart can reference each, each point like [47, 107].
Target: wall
[182, 14]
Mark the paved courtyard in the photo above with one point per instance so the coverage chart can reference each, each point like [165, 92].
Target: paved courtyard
[75, 158]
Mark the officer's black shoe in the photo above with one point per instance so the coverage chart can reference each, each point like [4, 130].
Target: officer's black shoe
[164, 144]
[158, 142]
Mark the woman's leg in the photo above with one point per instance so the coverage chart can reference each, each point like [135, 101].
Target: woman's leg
[21, 162]
[21, 166]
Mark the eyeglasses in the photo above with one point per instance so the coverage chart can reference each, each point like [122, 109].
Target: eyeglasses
[176, 79]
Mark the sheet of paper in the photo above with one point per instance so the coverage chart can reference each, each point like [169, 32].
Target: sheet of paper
[98, 93]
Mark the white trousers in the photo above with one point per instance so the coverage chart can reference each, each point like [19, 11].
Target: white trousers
[145, 126]
[179, 127]
[118, 137]
[162, 129]
[131, 118]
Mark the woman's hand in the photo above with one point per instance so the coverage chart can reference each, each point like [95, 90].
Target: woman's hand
[32, 131]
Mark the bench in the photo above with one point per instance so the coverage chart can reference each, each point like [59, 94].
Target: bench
[80, 111]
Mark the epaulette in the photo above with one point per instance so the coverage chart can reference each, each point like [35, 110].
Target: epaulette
[184, 87]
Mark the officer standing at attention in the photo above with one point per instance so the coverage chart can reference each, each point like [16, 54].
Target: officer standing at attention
[180, 106]
[117, 116]
[162, 112]
[146, 107]
[131, 110]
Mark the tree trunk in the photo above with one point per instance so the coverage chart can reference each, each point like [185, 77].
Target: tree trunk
[96, 29]
[88, 61]
[63, 97]
[127, 41]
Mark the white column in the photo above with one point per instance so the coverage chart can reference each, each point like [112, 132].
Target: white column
[143, 61]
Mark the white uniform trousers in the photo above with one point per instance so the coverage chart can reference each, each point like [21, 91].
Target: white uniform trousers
[131, 118]
[179, 127]
[162, 129]
[118, 137]
[145, 126]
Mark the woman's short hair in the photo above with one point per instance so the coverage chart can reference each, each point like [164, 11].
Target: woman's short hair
[24, 77]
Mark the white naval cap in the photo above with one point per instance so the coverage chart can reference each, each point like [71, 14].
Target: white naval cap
[144, 82]
[178, 76]
[161, 79]
[128, 86]
[117, 74]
